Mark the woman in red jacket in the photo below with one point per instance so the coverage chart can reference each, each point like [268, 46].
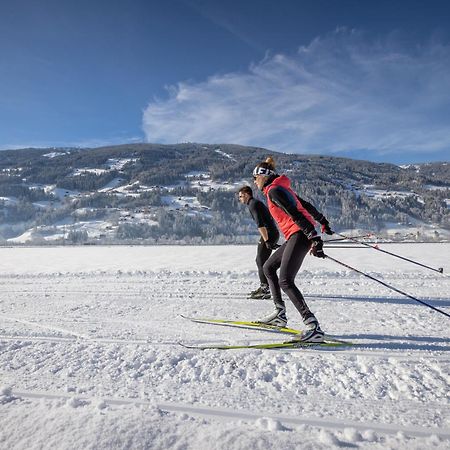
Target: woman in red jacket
[296, 219]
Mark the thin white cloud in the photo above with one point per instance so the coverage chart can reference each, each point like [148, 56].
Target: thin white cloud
[341, 93]
[219, 15]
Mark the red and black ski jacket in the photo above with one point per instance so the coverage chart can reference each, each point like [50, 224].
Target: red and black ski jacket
[291, 212]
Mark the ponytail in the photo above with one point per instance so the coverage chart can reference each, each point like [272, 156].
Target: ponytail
[270, 162]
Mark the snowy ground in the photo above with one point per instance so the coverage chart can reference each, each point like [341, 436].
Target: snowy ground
[89, 356]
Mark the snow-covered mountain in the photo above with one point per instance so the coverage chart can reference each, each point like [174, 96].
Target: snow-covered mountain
[187, 193]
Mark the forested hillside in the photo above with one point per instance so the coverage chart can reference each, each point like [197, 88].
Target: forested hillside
[187, 193]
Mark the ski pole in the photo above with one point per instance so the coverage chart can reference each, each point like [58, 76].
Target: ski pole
[345, 246]
[345, 238]
[439, 269]
[387, 285]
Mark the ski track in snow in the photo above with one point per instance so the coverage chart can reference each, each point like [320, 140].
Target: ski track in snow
[89, 355]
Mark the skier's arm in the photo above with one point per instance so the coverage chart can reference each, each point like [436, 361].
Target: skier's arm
[263, 233]
[284, 200]
[311, 209]
[318, 216]
[255, 211]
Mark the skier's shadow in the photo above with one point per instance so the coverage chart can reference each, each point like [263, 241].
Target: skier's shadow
[437, 302]
[424, 343]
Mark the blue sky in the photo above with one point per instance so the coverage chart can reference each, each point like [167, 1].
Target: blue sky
[358, 78]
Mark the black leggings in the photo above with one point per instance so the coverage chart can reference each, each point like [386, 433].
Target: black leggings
[262, 255]
[288, 258]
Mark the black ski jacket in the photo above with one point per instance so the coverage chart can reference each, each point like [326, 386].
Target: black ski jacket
[261, 215]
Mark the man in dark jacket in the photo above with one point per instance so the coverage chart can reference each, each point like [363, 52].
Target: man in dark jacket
[269, 237]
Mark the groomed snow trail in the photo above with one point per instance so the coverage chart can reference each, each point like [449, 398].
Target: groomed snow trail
[89, 354]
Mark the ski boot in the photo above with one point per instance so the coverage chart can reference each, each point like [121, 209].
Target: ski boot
[262, 293]
[277, 318]
[312, 332]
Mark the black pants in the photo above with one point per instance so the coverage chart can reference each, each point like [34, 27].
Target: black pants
[288, 258]
[262, 255]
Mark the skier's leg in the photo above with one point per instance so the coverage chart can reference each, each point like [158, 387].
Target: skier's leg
[262, 255]
[270, 271]
[278, 317]
[296, 249]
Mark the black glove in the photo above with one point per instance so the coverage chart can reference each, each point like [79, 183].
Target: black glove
[317, 247]
[271, 245]
[326, 227]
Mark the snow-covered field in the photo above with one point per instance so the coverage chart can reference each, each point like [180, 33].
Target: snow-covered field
[89, 354]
